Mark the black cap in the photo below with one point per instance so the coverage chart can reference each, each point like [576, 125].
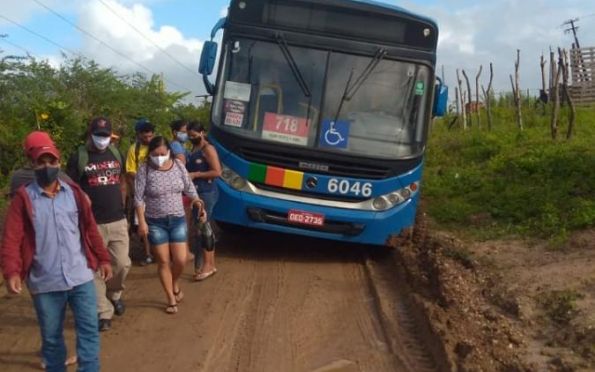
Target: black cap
[101, 127]
[144, 125]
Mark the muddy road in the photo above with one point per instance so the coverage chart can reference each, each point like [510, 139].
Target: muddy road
[277, 303]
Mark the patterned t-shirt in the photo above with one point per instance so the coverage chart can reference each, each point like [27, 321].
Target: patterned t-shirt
[160, 191]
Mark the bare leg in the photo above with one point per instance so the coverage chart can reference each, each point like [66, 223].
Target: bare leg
[209, 261]
[165, 272]
[178, 253]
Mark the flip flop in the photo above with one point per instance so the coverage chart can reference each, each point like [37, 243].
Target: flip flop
[171, 309]
[179, 295]
[202, 276]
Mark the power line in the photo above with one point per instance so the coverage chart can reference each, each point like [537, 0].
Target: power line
[37, 34]
[4, 38]
[105, 44]
[146, 37]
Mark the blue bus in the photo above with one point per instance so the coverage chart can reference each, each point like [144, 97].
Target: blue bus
[320, 115]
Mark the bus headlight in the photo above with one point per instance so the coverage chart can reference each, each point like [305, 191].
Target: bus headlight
[232, 178]
[387, 201]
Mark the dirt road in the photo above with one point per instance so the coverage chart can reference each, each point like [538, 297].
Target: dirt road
[278, 303]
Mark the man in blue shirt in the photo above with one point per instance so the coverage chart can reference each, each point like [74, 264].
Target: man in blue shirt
[51, 241]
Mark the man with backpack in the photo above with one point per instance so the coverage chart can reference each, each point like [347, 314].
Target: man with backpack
[137, 155]
[98, 167]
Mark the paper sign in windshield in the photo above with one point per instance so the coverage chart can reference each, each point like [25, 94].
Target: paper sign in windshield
[237, 91]
[234, 113]
[334, 133]
[285, 128]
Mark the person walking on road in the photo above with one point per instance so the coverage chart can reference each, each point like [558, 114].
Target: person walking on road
[98, 168]
[137, 154]
[51, 242]
[204, 167]
[159, 186]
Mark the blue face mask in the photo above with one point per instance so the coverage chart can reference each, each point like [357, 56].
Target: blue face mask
[182, 137]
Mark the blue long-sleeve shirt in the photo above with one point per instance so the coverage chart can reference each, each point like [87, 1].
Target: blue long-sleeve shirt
[59, 262]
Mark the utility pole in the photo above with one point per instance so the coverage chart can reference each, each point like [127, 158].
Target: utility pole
[573, 28]
[576, 47]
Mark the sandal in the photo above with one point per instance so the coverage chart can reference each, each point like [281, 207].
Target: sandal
[204, 275]
[179, 295]
[171, 309]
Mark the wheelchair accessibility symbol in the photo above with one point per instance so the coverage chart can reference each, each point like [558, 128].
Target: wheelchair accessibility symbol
[334, 133]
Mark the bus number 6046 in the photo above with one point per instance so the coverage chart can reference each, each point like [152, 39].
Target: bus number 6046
[345, 187]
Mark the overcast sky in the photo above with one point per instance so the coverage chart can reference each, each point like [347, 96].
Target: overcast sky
[165, 36]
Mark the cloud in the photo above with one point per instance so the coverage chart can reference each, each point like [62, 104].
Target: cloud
[472, 35]
[146, 48]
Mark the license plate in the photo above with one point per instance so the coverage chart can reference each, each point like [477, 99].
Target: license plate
[305, 218]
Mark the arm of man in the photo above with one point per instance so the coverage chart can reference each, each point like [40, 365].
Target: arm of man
[10, 251]
[214, 165]
[123, 181]
[95, 240]
[139, 202]
[72, 168]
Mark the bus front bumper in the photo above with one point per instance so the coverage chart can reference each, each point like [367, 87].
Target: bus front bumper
[357, 226]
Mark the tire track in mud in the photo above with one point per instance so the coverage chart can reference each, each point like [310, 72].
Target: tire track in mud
[278, 303]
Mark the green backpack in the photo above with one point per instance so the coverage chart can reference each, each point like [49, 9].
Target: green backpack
[83, 157]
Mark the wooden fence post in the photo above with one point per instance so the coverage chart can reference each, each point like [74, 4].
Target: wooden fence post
[469, 97]
[477, 96]
[564, 65]
[555, 99]
[462, 98]
[517, 90]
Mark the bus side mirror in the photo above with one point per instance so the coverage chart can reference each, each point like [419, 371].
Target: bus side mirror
[209, 56]
[440, 99]
[207, 64]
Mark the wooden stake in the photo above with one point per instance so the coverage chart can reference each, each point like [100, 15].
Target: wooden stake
[477, 96]
[462, 99]
[470, 99]
[517, 90]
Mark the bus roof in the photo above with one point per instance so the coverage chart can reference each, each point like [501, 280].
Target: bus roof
[394, 8]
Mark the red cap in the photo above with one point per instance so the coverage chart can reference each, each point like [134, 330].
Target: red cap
[36, 152]
[37, 139]
[38, 143]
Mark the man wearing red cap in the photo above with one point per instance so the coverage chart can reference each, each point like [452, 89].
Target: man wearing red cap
[25, 174]
[52, 243]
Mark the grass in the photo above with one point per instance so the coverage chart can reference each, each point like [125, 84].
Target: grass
[507, 182]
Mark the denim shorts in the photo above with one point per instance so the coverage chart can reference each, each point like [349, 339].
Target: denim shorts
[170, 229]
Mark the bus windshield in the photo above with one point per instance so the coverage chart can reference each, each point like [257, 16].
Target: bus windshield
[362, 105]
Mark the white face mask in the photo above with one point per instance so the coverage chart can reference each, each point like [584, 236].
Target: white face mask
[159, 160]
[101, 142]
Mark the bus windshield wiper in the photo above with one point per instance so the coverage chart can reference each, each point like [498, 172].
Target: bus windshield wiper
[292, 64]
[350, 90]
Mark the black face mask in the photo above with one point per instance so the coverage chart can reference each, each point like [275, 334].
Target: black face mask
[46, 176]
[196, 141]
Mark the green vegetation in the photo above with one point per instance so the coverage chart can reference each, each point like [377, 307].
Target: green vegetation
[503, 182]
[35, 95]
